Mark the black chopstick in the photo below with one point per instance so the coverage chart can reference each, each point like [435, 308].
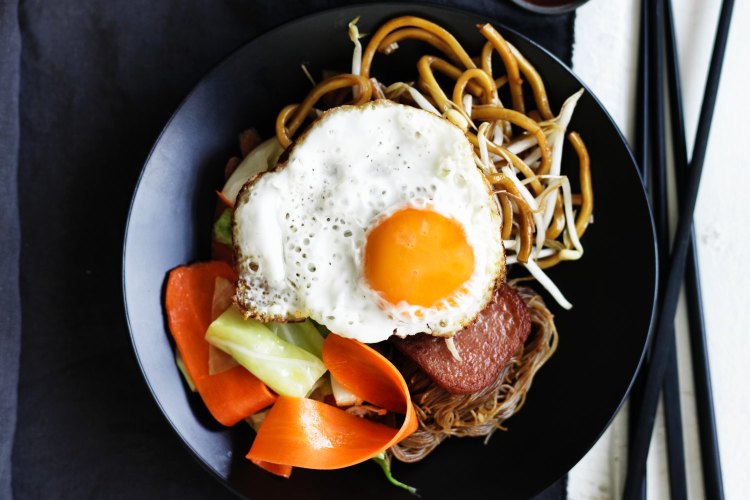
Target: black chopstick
[660, 352]
[643, 125]
[710, 460]
[673, 425]
[713, 484]
[671, 386]
[643, 136]
[652, 124]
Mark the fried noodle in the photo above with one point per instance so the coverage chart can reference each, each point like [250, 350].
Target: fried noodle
[520, 152]
[442, 414]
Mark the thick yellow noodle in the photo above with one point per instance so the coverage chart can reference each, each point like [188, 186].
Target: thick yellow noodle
[508, 141]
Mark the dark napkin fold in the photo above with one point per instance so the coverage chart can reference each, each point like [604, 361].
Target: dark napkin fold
[98, 81]
[10, 313]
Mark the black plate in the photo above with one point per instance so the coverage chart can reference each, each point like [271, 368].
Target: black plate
[601, 340]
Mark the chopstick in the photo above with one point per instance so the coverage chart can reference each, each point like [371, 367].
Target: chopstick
[671, 385]
[643, 136]
[651, 132]
[663, 335]
[710, 460]
[643, 126]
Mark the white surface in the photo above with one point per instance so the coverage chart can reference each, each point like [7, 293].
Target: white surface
[605, 57]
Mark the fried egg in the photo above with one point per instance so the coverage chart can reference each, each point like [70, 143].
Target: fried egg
[378, 223]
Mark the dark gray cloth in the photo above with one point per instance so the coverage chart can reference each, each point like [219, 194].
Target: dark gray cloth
[98, 80]
[10, 307]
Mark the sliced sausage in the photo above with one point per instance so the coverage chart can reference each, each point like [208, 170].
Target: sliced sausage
[485, 346]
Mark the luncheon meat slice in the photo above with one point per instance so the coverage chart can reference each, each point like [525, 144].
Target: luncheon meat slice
[485, 346]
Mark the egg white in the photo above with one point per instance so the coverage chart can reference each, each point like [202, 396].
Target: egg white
[300, 230]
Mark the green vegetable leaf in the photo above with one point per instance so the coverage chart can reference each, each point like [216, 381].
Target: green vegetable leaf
[303, 335]
[286, 368]
[183, 370]
[385, 463]
[321, 329]
[223, 228]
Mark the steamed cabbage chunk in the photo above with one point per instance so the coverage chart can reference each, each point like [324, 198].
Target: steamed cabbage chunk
[183, 369]
[303, 335]
[288, 369]
[222, 231]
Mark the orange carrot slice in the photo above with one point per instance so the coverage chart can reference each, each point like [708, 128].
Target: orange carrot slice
[231, 395]
[365, 372]
[307, 433]
[224, 200]
[218, 360]
[279, 470]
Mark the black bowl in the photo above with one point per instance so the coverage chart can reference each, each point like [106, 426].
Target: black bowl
[602, 338]
[549, 7]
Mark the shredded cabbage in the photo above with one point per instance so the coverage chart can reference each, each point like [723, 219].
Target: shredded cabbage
[259, 160]
[342, 395]
[223, 228]
[286, 368]
[303, 335]
[183, 369]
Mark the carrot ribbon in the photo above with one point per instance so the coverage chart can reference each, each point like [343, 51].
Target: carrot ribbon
[307, 433]
[231, 395]
[296, 431]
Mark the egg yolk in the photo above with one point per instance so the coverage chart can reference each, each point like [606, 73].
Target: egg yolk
[417, 256]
